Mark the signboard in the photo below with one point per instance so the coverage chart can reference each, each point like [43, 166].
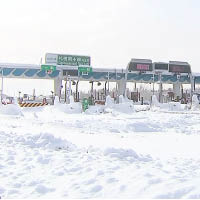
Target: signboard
[179, 68]
[140, 66]
[51, 58]
[48, 67]
[70, 72]
[85, 69]
[144, 67]
[71, 60]
[161, 66]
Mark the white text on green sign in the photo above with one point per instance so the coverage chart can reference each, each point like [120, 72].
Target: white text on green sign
[48, 67]
[85, 69]
[73, 60]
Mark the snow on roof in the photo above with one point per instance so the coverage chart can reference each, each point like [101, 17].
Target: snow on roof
[34, 66]
[14, 65]
[65, 67]
[160, 62]
[141, 60]
[195, 73]
[178, 63]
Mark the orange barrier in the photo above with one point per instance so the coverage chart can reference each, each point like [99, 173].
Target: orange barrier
[32, 104]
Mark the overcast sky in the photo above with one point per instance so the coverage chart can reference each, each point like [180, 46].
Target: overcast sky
[110, 31]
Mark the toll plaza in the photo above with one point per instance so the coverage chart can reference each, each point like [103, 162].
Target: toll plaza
[69, 71]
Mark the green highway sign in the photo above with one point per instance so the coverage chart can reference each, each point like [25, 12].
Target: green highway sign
[86, 69]
[72, 60]
[48, 67]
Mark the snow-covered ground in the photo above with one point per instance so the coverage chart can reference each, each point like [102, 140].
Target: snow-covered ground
[48, 152]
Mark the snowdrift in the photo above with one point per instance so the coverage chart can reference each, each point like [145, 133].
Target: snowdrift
[155, 102]
[125, 105]
[45, 140]
[71, 108]
[126, 154]
[80, 156]
[171, 106]
[10, 109]
[97, 109]
[195, 103]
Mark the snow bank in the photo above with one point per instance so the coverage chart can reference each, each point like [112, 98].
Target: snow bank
[71, 99]
[139, 108]
[155, 101]
[97, 109]
[72, 107]
[126, 154]
[32, 167]
[46, 140]
[125, 105]
[10, 109]
[56, 101]
[155, 104]
[195, 103]
[171, 106]
[109, 101]
[175, 106]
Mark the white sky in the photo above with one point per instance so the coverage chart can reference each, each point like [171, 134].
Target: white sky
[110, 31]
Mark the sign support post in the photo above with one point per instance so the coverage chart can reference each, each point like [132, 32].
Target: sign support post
[1, 84]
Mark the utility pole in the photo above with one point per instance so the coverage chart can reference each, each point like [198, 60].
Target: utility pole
[160, 87]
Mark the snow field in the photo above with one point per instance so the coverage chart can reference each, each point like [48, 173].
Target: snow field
[57, 152]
